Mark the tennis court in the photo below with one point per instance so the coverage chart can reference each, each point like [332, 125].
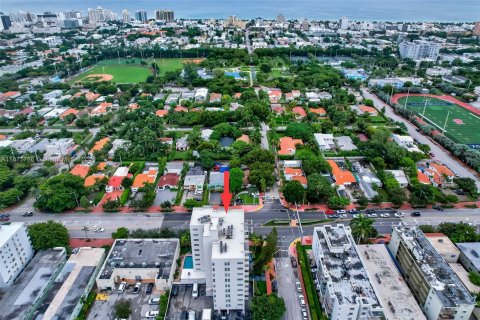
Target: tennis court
[460, 124]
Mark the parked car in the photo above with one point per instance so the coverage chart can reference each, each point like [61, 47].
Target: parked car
[416, 214]
[354, 216]
[4, 218]
[385, 215]
[353, 211]
[329, 211]
[341, 211]
[122, 286]
[399, 214]
[460, 192]
[98, 229]
[437, 208]
[137, 288]
[28, 214]
[149, 288]
[298, 286]
[301, 298]
[304, 315]
[370, 211]
[151, 314]
[175, 291]
[294, 262]
[334, 216]
[274, 286]
[431, 154]
[154, 301]
[372, 215]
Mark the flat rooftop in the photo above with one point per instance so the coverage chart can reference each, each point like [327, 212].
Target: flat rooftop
[72, 282]
[8, 230]
[442, 243]
[471, 251]
[18, 300]
[230, 227]
[141, 253]
[349, 278]
[448, 287]
[393, 291]
[463, 275]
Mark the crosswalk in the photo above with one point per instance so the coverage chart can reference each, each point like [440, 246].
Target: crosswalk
[21, 210]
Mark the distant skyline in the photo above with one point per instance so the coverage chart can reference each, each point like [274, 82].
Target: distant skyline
[377, 10]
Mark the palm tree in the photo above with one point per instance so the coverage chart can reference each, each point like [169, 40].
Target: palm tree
[86, 229]
[362, 228]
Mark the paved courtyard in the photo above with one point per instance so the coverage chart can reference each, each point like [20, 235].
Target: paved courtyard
[164, 195]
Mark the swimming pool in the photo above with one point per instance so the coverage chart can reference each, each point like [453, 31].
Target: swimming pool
[188, 262]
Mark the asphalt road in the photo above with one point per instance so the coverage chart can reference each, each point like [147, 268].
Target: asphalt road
[439, 152]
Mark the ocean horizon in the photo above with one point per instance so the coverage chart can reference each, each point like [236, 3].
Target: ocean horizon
[361, 10]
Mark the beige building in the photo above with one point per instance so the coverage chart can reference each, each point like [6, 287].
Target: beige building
[444, 246]
[140, 260]
[79, 275]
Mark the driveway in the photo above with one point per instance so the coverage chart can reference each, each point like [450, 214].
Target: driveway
[286, 288]
[264, 141]
[164, 195]
[440, 153]
[215, 198]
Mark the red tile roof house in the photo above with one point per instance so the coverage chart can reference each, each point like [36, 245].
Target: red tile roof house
[215, 97]
[440, 175]
[180, 109]
[318, 111]
[299, 113]
[161, 113]
[275, 96]
[295, 174]
[115, 183]
[287, 145]
[168, 180]
[277, 108]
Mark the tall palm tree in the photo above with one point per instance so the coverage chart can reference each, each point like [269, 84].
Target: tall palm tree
[86, 229]
[362, 227]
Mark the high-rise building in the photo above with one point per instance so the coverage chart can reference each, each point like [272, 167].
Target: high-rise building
[439, 291]
[165, 15]
[100, 15]
[344, 23]
[125, 16]
[220, 250]
[6, 22]
[15, 251]
[346, 290]
[476, 29]
[65, 15]
[418, 50]
[48, 19]
[281, 18]
[141, 16]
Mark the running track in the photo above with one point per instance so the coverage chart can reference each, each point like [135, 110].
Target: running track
[465, 105]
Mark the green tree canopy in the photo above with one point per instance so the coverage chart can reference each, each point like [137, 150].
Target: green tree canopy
[293, 192]
[60, 193]
[362, 228]
[267, 307]
[46, 235]
[236, 180]
[121, 233]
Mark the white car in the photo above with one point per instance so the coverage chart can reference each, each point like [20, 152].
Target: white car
[302, 300]
[98, 229]
[151, 314]
[354, 216]
[372, 215]
[399, 214]
[299, 286]
[341, 211]
[343, 216]
[385, 215]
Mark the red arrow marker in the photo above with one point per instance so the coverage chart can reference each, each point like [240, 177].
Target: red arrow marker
[226, 195]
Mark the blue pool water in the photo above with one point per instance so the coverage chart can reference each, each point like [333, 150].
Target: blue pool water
[188, 263]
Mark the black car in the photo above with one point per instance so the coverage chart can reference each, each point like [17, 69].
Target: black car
[368, 211]
[149, 288]
[274, 286]
[294, 262]
[437, 208]
[28, 214]
[416, 214]
[174, 291]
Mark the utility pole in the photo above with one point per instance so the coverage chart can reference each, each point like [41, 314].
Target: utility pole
[406, 101]
[445, 125]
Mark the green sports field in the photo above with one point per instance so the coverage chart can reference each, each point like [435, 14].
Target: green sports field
[123, 71]
[462, 126]
[171, 64]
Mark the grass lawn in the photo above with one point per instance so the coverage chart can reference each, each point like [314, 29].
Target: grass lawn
[261, 287]
[122, 73]
[170, 64]
[304, 151]
[248, 199]
[180, 155]
[461, 124]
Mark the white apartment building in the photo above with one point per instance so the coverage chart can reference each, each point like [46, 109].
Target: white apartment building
[15, 252]
[406, 142]
[439, 291]
[220, 250]
[418, 50]
[346, 290]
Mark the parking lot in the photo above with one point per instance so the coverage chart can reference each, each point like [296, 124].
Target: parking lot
[183, 302]
[164, 195]
[104, 310]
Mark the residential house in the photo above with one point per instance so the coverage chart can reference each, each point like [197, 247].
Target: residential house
[133, 106]
[206, 133]
[68, 112]
[325, 141]
[182, 144]
[299, 113]
[400, 176]
[324, 95]
[274, 96]
[321, 112]
[277, 109]
[172, 98]
[98, 146]
[116, 145]
[363, 109]
[288, 145]
[195, 179]
[423, 178]
[80, 170]
[245, 138]
[216, 180]
[215, 97]
[174, 167]
[115, 182]
[166, 140]
[91, 180]
[406, 142]
[367, 179]
[345, 143]
[147, 177]
[161, 113]
[201, 95]
[180, 109]
[101, 109]
[340, 176]
[168, 181]
[439, 175]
